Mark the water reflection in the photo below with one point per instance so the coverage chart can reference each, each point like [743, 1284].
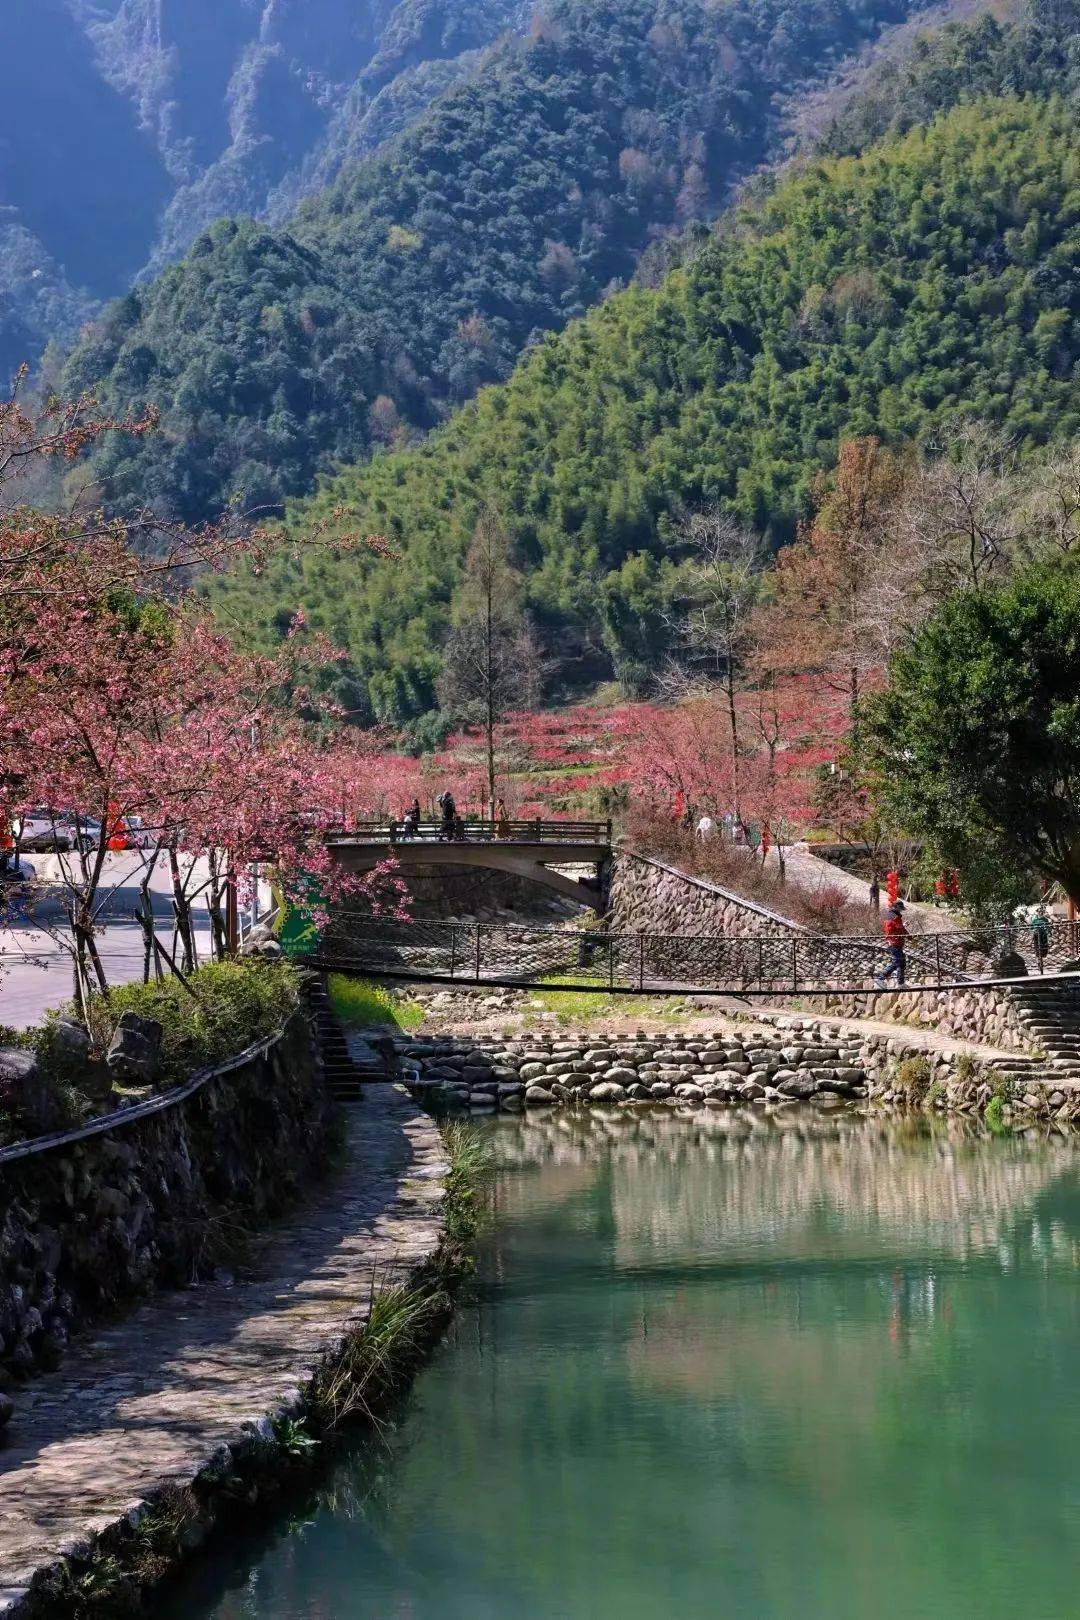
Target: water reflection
[818, 1367]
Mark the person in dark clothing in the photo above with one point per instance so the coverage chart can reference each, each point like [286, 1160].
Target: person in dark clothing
[410, 824]
[1040, 934]
[875, 893]
[449, 814]
[895, 937]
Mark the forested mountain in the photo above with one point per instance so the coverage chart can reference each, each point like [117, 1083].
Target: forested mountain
[128, 126]
[931, 276]
[519, 199]
[1035, 52]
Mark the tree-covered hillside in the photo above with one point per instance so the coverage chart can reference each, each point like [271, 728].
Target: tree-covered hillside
[888, 293]
[1035, 51]
[128, 126]
[516, 202]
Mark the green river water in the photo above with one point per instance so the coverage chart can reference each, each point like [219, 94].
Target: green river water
[817, 1369]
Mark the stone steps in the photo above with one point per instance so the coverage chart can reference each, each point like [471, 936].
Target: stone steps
[1050, 1018]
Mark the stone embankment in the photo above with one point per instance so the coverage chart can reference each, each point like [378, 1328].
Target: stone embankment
[794, 1059]
[988, 1014]
[119, 1464]
[539, 1072]
[92, 1222]
[647, 897]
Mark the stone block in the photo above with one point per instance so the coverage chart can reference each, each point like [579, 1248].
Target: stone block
[135, 1049]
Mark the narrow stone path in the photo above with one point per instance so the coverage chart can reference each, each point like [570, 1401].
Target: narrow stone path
[151, 1400]
[930, 1040]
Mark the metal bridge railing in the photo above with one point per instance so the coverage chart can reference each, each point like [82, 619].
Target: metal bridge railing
[476, 953]
[475, 831]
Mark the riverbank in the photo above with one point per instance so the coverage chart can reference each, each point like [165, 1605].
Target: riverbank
[721, 1362]
[521, 1054]
[153, 1430]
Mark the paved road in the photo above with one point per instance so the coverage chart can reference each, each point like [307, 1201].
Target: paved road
[808, 871]
[35, 968]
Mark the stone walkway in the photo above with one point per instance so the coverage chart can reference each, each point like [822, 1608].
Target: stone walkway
[930, 1040]
[151, 1400]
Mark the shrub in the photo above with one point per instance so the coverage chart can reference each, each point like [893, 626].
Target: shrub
[228, 1007]
[912, 1076]
[824, 909]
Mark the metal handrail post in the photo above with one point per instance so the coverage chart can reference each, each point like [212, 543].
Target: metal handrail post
[611, 962]
[478, 928]
[794, 966]
[453, 951]
[641, 962]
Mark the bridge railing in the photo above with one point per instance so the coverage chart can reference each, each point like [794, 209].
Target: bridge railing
[495, 952]
[478, 953]
[477, 831]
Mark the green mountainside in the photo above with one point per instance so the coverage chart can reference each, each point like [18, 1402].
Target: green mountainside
[1035, 53]
[129, 126]
[526, 193]
[932, 275]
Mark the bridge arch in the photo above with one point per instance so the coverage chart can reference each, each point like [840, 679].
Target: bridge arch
[534, 851]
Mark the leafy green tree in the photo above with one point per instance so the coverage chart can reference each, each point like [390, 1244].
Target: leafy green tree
[976, 742]
[528, 190]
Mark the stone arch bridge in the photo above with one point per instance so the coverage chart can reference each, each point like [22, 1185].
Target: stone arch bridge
[533, 850]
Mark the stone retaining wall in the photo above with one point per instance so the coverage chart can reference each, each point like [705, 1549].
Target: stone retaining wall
[796, 1059]
[541, 1071]
[986, 1014]
[647, 897]
[89, 1225]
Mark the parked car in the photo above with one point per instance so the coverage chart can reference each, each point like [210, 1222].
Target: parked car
[43, 830]
[137, 833]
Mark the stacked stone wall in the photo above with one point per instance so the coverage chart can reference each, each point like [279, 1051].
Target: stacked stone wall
[986, 1014]
[647, 897]
[798, 1059]
[91, 1224]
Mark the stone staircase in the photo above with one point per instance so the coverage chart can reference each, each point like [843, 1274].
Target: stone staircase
[350, 1061]
[1048, 1011]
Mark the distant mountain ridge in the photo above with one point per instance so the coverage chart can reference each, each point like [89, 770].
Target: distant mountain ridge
[525, 194]
[128, 126]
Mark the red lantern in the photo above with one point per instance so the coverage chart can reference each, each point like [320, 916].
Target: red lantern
[117, 834]
[892, 885]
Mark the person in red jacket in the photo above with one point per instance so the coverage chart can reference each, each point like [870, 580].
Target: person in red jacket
[895, 936]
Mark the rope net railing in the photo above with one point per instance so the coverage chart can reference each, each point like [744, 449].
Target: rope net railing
[475, 953]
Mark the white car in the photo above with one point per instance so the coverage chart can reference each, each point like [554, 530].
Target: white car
[48, 831]
[43, 830]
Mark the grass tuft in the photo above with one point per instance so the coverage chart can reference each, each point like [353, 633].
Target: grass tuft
[379, 1359]
[360, 1004]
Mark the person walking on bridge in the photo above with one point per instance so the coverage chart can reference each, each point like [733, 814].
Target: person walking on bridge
[502, 820]
[449, 816]
[895, 937]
